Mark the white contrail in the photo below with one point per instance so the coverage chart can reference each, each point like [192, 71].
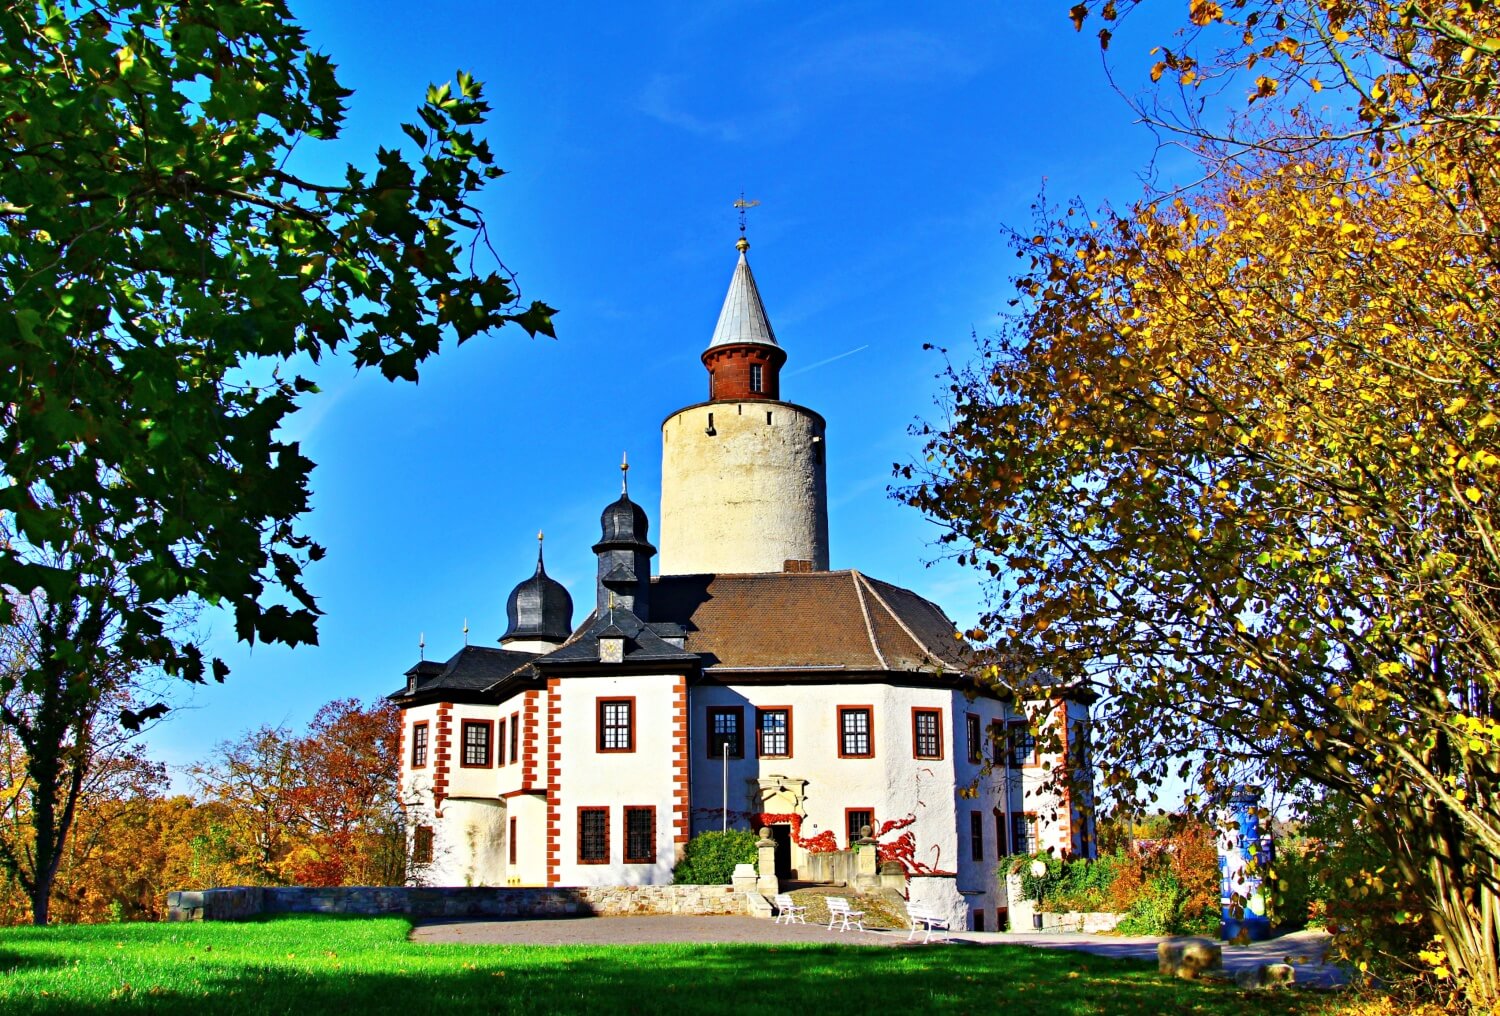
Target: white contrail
[823, 363]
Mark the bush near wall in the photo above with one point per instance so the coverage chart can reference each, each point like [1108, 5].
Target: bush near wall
[710, 857]
[1169, 888]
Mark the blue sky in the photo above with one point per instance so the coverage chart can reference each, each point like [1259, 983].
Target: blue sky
[889, 145]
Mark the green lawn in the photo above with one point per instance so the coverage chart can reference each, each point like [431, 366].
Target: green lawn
[323, 964]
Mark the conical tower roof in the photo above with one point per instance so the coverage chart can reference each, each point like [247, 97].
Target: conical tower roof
[743, 317]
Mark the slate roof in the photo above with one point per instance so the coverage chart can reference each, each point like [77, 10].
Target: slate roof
[471, 671]
[644, 643]
[838, 619]
[743, 317]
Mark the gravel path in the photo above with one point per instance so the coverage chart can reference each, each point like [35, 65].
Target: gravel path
[1304, 950]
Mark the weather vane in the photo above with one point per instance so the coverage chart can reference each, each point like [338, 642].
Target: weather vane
[743, 206]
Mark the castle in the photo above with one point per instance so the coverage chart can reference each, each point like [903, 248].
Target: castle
[746, 685]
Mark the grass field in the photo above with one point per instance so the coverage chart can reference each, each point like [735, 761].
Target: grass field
[326, 964]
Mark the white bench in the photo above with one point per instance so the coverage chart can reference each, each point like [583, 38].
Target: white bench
[793, 912]
[921, 916]
[841, 914]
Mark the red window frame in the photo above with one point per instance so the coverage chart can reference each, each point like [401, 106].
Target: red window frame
[1002, 834]
[512, 844]
[937, 732]
[851, 831]
[714, 746]
[629, 702]
[869, 712]
[649, 855]
[421, 845]
[759, 743]
[500, 743]
[464, 726]
[975, 734]
[515, 736]
[603, 839]
[1012, 742]
[976, 836]
[1026, 820]
[419, 743]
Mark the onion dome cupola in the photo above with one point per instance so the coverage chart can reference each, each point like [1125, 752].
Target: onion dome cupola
[539, 609]
[743, 358]
[624, 555]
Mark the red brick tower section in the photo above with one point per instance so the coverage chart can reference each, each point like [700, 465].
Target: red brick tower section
[680, 812]
[733, 374]
[440, 757]
[554, 780]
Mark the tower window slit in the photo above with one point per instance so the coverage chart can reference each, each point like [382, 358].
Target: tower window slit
[768, 417]
[755, 377]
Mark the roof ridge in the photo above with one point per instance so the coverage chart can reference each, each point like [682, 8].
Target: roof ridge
[897, 618]
[869, 627]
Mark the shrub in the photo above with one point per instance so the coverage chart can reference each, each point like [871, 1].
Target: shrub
[1170, 888]
[710, 857]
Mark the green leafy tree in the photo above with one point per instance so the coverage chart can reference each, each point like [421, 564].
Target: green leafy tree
[161, 261]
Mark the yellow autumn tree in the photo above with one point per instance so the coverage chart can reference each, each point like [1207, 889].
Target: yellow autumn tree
[1235, 461]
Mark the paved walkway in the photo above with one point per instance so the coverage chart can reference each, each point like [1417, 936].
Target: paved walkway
[1304, 950]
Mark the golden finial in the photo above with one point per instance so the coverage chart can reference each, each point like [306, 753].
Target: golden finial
[742, 244]
[624, 474]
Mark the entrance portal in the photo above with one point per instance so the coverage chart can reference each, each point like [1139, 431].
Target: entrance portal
[782, 834]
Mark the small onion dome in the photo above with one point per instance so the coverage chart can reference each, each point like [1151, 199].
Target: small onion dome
[539, 608]
[624, 521]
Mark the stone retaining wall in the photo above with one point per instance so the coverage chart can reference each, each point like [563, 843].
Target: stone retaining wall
[238, 903]
[1090, 922]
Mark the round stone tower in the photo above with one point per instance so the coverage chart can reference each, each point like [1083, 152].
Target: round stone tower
[743, 482]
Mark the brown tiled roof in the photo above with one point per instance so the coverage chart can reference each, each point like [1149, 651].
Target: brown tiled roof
[808, 619]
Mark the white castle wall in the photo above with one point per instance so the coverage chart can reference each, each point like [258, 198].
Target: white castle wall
[747, 498]
[587, 778]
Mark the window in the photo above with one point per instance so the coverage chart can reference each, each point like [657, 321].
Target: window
[971, 727]
[515, 736]
[999, 744]
[927, 733]
[856, 819]
[855, 738]
[500, 744]
[724, 726]
[774, 732]
[756, 372]
[512, 841]
[976, 836]
[617, 724]
[421, 845]
[419, 745]
[593, 835]
[640, 835]
[1022, 745]
[1000, 847]
[1023, 838]
[476, 740]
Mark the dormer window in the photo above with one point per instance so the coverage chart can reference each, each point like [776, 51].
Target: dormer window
[756, 377]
